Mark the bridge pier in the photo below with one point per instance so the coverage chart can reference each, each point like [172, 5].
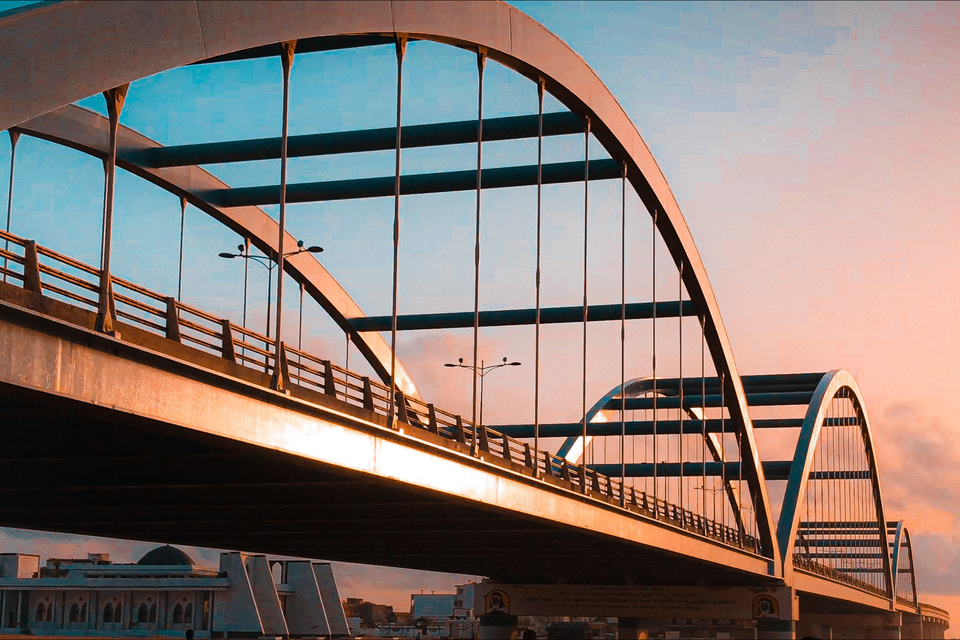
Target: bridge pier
[839, 626]
[644, 611]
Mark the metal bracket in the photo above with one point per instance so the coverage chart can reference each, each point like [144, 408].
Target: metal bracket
[329, 387]
[432, 417]
[107, 313]
[401, 407]
[281, 372]
[31, 267]
[367, 394]
[226, 342]
[173, 320]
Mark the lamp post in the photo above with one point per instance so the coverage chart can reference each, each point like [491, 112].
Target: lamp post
[482, 371]
[269, 264]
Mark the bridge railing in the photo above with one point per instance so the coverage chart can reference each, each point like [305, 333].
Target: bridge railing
[808, 564]
[56, 275]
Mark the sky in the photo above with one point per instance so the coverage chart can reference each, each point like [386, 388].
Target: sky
[812, 147]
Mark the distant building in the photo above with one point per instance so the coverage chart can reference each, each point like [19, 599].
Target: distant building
[165, 593]
[370, 615]
[435, 607]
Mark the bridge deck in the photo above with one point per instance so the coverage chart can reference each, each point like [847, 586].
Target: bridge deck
[109, 437]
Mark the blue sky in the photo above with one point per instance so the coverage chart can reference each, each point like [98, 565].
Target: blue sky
[812, 148]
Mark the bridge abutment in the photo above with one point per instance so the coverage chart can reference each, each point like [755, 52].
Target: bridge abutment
[840, 626]
[644, 611]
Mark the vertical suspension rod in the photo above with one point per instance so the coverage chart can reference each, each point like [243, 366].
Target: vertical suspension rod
[623, 335]
[14, 136]
[536, 371]
[286, 60]
[481, 64]
[246, 278]
[401, 50]
[703, 417]
[586, 217]
[183, 217]
[106, 315]
[723, 445]
[653, 239]
[680, 377]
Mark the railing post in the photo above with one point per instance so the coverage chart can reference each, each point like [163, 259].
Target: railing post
[506, 449]
[461, 436]
[528, 458]
[596, 481]
[401, 407]
[367, 394]
[226, 341]
[31, 267]
[173, 320]
[329, 388]
[565, 471]
[484, 440]
[432, 417]
[107, 313]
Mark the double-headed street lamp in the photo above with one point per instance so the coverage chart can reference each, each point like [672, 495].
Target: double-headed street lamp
[244, 252]
[482, 371]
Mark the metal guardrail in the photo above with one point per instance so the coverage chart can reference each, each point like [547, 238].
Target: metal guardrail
[801, 562]
[53, 274]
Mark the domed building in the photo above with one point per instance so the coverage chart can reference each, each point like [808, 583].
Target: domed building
[165, 593]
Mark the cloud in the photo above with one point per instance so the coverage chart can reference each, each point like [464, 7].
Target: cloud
[919, 459]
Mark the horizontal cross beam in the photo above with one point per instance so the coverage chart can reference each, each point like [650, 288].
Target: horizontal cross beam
[768, 383]
[517, 317]
[634, 428]
[772, 469]
[414, 184]
[696, 401]
[340, 142]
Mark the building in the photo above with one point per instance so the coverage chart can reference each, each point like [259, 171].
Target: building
[165, 593]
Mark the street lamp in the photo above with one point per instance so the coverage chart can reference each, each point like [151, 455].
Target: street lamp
[482, 371]
[244, 253]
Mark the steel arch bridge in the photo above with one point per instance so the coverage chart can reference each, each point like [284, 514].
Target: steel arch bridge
[697, 496]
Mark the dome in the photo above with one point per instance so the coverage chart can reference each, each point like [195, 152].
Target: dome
[166, 556]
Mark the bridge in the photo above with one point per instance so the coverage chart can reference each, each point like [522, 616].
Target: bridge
[130, 413]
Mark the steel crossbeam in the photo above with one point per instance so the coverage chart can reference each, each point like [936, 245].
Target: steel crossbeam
[366, 140]
[517, 317]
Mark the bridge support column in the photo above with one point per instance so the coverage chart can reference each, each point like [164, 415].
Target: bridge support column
[850, 625]
[498, 626]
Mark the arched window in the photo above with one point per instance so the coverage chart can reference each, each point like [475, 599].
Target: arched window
[177, 614]
[153, 612]
[83, 612]
[41, 612]
[143, 613]
[188, 614]
[74, 615]
[108, 613]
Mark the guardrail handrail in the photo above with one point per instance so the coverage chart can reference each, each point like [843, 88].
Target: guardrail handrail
[186, 324]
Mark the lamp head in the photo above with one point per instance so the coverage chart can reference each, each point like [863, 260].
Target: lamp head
[314, 249]
[227, 255]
